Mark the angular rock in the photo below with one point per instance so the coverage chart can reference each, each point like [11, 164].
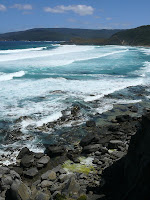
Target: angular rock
[4, 170]
[27, 161]
[18, 191]
[24, 151]
[44, 160]
[55, 150]
[46, 183]
[118, 154]
[71, 188]
[63, 177]
[113, 144]
[92, 148]
[30, 173]
[14, 175]
[6, 180]
[38, 155]
[89, 139]
[49, 175]
[42, 196]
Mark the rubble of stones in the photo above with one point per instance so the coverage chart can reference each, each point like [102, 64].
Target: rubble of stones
[41, 176]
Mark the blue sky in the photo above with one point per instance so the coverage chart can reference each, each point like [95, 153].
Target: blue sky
[94, 14]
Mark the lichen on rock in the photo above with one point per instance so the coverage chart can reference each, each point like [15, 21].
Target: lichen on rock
[82, 167]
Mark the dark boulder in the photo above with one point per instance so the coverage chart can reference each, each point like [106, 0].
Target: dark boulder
[75, 110]
[92, 148]
[43, 160]
[24, 151]
[113, 144]
[27, 161]
[90, 123]
[123, 118]
[89, 139]
[30, 173]
[55, 150]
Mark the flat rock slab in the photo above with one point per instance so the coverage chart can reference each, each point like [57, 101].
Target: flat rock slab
[31, 172]
[44, 160]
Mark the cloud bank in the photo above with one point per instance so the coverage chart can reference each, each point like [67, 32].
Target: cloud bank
[78, 9]
[2, 7]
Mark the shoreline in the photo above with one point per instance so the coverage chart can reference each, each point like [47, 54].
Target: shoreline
[66, 135]
[83, 162]
[88, 150]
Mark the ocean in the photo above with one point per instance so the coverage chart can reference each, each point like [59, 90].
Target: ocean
[40, 82]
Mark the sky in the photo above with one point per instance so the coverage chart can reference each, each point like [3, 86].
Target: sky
[16, 15]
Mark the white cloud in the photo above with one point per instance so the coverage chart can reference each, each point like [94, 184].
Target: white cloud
[22, 6]
[2, 7]
[78, 9]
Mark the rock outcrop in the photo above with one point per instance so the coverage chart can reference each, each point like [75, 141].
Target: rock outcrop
[129, 177]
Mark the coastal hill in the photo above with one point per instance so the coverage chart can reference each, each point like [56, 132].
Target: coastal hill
[56, 34]
[136, 36]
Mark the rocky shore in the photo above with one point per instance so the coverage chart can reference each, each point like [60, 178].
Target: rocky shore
[100, 166]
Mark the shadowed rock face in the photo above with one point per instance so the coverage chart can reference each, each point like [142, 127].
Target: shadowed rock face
[129, 178]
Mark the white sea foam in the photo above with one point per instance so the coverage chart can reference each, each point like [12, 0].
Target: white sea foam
[49, 109]
[143, 70]
[12, 51]
[38, 54]
[108, 86]
[6, 77]
[35, 97]
[107, 104]
[50, 118]
[62, 55]
[146, 51]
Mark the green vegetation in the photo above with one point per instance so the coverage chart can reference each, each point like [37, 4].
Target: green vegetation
[81, 168]
[60, 197]
[57, 34]
[82, 197]
[137, 36]
[83, 41]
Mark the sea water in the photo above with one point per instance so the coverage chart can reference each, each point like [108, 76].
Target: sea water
[40, 80]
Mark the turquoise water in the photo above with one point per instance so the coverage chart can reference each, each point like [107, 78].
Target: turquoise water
[41, 80]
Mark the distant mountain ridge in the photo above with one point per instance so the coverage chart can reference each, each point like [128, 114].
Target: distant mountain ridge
[57, 34]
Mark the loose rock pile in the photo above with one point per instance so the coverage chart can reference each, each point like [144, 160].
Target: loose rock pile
[62, 173]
